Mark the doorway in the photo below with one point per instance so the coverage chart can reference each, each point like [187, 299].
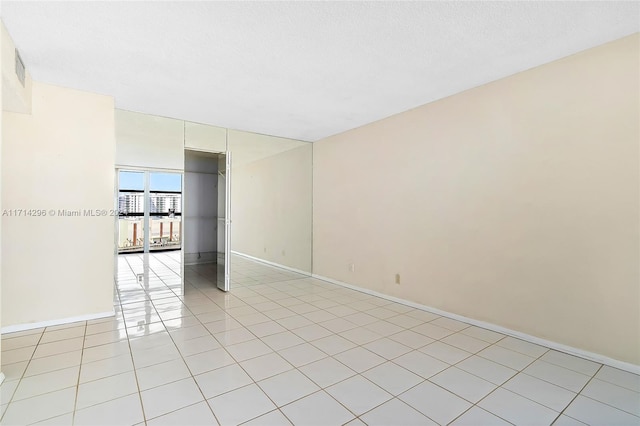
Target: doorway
[149, 232]
[207, 184]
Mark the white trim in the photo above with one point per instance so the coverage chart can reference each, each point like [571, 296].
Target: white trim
[257, 259]
[130, 168]
[226, 284]
[626, 366]
[207, 151]
[50, 323]
[2, 377]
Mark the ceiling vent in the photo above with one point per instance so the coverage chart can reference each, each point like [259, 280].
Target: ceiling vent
[20, 68]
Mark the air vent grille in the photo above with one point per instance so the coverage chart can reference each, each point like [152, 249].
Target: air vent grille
[20, 68]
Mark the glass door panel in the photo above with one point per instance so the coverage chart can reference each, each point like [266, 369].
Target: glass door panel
[165, 211]
[131, 232]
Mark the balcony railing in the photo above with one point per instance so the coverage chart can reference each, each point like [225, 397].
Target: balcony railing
[165, 233]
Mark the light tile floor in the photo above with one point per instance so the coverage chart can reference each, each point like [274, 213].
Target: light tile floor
[282, 348]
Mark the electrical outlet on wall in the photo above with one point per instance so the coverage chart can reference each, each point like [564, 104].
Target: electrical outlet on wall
[397, 278]
[352, 267]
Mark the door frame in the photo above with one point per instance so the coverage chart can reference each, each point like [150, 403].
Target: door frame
[227, 222]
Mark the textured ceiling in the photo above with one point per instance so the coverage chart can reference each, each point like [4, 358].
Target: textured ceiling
[303, 70]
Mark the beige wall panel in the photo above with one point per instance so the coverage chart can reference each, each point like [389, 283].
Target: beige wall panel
[515, 203]
[271, 196]
[202, 137]
[60, 157]
[148, 141]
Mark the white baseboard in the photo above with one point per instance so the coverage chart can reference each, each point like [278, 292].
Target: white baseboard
[257, 259]
[626, 366]
[2, 377]
[50, 323]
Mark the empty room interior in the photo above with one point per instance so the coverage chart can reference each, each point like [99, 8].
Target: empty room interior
[320, 213]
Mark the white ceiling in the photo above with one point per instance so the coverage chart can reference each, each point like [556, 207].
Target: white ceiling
[303, 70]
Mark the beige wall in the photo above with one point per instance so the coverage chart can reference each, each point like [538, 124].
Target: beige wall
[2, 68]
[202, 137]
[59, 157]
[271, 196]
[514, 203]
[148, 141]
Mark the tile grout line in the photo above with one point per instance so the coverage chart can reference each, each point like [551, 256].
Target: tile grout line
[357, 346]
[278, 408]
[22, 375]
[601, 402]
[144, 415]
[500, 386]
[578, 393]
[297, 368]
[75, 401]
[183, 359]
[253, 380]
